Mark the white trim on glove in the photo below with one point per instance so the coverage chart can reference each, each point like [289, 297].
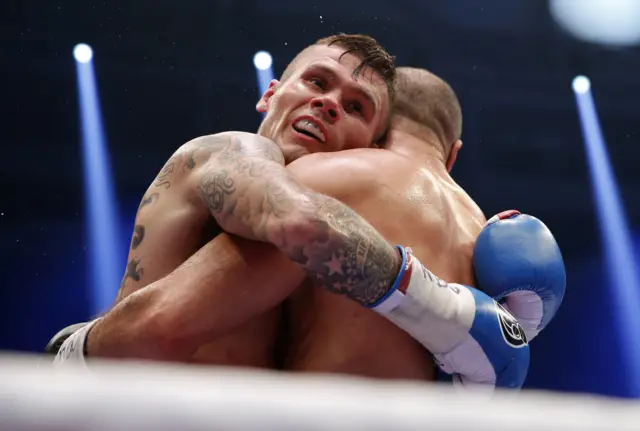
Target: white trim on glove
[72, 350]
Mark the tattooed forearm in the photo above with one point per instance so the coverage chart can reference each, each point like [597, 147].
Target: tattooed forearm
[343, 253]
[138, 236]
[250, 193]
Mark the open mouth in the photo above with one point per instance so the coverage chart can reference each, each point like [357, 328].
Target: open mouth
[309, 128]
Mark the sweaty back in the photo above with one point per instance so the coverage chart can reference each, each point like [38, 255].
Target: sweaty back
[410, 202]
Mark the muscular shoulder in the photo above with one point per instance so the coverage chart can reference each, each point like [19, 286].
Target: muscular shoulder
[342, 174]
[230, 145]
[181, 174]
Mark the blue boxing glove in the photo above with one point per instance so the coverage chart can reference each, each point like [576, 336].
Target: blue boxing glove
[495, 352]
[518, 263]
[469, 334]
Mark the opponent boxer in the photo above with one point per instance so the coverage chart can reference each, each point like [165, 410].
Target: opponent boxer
[439, 329]
[405, 191]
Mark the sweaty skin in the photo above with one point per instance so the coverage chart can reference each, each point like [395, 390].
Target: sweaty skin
[211, 309]
[221, 305]
[239, 179]
[411, 200]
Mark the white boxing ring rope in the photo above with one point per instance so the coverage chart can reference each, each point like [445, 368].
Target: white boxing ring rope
[152, 397]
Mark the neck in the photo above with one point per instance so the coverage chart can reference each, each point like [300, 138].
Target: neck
[424, 148]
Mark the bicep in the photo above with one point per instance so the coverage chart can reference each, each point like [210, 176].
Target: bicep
[161, 239]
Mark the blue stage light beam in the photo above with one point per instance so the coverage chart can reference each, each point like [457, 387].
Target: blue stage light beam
[616, 238]
[107, 265]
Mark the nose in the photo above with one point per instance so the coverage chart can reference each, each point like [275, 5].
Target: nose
[328, 106]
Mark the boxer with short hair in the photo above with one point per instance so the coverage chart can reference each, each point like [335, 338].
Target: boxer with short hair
[417, 204]
[335, 95]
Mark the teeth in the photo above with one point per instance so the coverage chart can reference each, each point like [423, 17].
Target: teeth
[310, 127]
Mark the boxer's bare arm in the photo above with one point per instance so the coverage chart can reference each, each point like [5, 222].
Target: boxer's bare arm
[250, 193]
[176, 205]
[161, 239]
[242, 179]
[224, 284]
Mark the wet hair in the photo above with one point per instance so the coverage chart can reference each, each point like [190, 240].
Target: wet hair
[371, 54]
[366, 48]
[430, 102]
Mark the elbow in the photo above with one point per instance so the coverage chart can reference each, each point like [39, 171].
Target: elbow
[155, 330]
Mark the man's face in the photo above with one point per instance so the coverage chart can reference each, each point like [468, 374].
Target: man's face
[322, 108]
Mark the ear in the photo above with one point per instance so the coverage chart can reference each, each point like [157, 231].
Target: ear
[453, 154]
[263, 103]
